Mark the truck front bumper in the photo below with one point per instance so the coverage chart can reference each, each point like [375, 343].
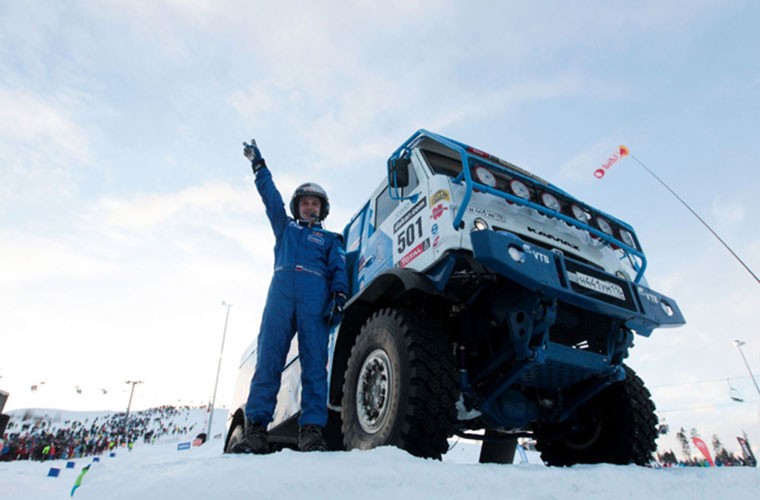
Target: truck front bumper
[554, 276]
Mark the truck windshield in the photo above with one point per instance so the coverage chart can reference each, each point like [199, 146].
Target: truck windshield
[442, 164]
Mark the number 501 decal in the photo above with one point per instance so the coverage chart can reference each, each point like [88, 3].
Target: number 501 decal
[409, 234]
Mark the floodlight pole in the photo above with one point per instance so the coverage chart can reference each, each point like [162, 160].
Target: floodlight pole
[218, 369]
[739, 344]
[129, 405]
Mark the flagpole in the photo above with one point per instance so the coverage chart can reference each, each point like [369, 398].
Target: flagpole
[218, 368]
[746, 267]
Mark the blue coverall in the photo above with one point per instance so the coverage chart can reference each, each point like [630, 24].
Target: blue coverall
[309, 265]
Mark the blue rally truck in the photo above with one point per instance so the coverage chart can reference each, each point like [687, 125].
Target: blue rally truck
[487, 303]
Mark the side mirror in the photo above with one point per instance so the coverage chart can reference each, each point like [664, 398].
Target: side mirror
[398, 172]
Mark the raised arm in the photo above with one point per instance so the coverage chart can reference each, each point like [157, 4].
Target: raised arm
[275, 207]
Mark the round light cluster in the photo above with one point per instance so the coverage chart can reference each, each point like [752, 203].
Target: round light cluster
[550, 201]
[520, 189]
[604, 226]
[579, 214]
[627, 238]
[485, 176]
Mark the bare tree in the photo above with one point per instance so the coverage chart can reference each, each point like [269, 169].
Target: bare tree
[685, 446]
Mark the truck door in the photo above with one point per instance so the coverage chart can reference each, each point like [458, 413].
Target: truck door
[397, 231]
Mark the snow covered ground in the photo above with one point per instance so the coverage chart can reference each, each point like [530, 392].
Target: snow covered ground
[163, 471]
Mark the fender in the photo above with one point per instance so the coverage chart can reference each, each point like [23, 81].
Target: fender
[390, 287]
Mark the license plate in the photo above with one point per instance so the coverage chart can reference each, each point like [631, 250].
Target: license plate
[610, 289]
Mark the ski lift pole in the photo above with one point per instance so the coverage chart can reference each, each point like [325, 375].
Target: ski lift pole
[129, 405]
[739, 343]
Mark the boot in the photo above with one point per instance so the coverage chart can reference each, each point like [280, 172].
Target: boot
[255, 440]
[310, 438]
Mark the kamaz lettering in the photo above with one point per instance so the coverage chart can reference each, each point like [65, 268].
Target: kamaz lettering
[553, 238]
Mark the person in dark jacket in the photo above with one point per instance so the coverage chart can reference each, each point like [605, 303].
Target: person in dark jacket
[306, 295]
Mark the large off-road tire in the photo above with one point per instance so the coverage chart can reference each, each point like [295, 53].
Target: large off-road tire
[400, 386]
[618, 426]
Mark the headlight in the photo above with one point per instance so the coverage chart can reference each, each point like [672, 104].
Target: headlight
[627, 238]
[579, 213]
[516, 253]
[622, 275]
[479, 225]
[485, 176]
[520, 189]
[550, 201]
[604, 226]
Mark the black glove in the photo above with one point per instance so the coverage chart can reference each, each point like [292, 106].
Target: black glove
[251, 151]
[334, 310]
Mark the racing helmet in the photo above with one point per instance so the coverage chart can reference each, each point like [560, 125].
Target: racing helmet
[310, 189]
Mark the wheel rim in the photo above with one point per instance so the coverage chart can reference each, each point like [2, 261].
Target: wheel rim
[587, 436]
[373, 391]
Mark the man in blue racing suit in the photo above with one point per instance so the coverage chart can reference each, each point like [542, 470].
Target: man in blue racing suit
[306, 295]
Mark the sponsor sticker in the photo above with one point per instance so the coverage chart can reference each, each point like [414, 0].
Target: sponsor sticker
[417, 208]
[440, 195]
[610, 289]
[649, 296]
[414, 253]
[434, 229]
[438, 210]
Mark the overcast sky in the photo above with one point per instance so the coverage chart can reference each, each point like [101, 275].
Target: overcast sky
[127, 212]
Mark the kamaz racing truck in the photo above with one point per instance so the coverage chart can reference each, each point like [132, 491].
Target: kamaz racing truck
[487, 303]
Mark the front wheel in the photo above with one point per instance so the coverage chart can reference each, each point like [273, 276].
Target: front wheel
[400, 387]
[618, 426]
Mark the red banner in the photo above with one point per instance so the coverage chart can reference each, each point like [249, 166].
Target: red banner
[703, 448]
[622, 152]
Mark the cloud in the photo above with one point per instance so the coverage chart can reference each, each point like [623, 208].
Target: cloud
[727, 212]
[42, 146]
[147, 211]
[133, 289]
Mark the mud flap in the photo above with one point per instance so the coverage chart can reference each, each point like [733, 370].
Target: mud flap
[496, 449]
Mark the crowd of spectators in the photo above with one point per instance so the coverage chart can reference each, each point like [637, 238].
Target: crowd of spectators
[723, 459]
[30, 436]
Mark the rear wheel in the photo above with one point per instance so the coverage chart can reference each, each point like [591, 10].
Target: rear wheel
[400, 387]
[618, 426]
[235, 437]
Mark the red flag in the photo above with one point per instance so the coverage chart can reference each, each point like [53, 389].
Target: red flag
[703, 448]
[621, 153]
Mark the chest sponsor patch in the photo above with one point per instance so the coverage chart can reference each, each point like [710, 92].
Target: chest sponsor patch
[317, 238]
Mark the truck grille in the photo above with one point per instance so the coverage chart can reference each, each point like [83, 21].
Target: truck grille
[552, 375]
[581, 329]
